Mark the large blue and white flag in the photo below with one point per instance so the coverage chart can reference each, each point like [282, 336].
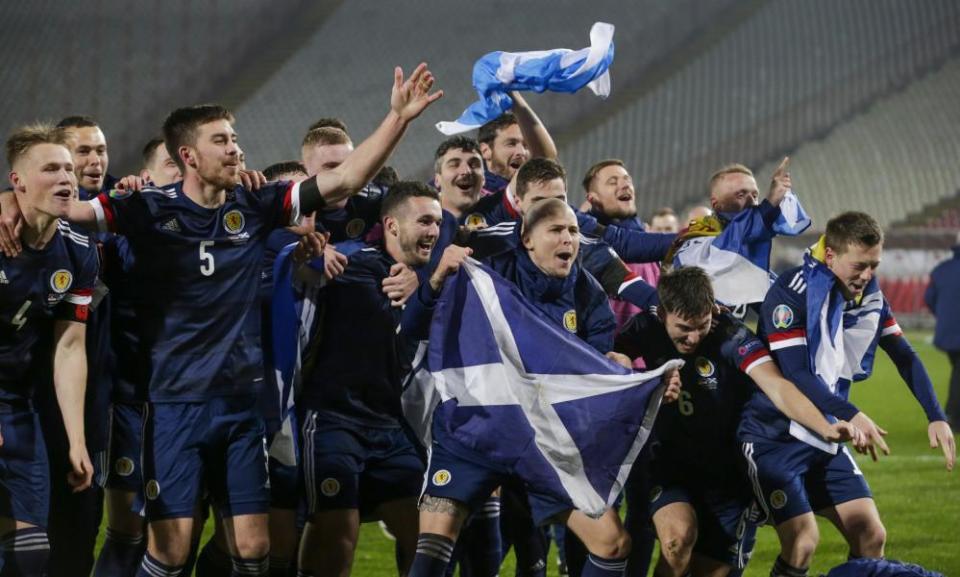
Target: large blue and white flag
[558, 70]
[736, 255]
[529, 397]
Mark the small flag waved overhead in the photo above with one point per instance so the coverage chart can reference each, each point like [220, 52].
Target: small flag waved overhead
[518, 391]
[736, 253]
[559, 70]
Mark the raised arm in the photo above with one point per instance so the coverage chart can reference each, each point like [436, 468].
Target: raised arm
[535, 134]
[70, 383]
[408, 100]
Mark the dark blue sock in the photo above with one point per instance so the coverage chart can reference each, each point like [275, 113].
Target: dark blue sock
[150, 567]
[600, 567]
[280, 567]
[25, 553]
[482, 553]
[259, 567]
[783, 569]
[213, 561]
[433, 555]
[120, 555]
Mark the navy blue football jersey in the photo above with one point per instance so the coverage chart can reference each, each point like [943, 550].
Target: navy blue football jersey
[698, 431]
[353, 368]
[784, 325]
[195, 273]
[36, 288]
[356, 218]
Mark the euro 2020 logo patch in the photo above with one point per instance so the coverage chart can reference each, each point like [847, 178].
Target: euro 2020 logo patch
[233, 221]
[570, 321]
[442, 477]
[782, 316]
[61, 280]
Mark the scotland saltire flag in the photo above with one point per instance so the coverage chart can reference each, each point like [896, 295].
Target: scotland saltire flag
[288, 328]
[737, 258]
[793, 220]
[559, 70]
[841, 339]
[530, 397]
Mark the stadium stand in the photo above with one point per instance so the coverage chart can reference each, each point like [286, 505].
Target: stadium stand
[128, 64]
[898, 156]
[279, 112]
[789, 73]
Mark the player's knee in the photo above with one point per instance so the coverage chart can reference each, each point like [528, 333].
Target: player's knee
[615, 545]
[872, 538]
[253, 546]
[170, 552]
[803, 547]
[678, 542]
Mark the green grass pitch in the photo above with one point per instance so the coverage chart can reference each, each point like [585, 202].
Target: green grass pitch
[919, 501]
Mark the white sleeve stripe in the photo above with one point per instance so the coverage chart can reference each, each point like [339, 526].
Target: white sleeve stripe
[295, 204]
[488, 232]
[101, 217]
[891, 330]
[762, 360]
[78, 299]
[786, 343]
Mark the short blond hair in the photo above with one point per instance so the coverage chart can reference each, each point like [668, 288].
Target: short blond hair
[735, 168]
[326, 135]
[26, 137]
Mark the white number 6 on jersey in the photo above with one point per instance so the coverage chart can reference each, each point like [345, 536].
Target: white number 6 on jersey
[206, 258]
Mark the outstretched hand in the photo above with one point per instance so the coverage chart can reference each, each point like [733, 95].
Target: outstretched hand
[410, 98]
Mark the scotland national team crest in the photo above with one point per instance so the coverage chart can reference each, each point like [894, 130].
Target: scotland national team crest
[707, 373]
[152, 489]
[61, 280]
[233, 221]
[778, 499]
[330, 487]
[355, 227]
[442, 477]
[570, 321]
[782, 316]
[475, 221]
[124, 466]
[705, 368]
